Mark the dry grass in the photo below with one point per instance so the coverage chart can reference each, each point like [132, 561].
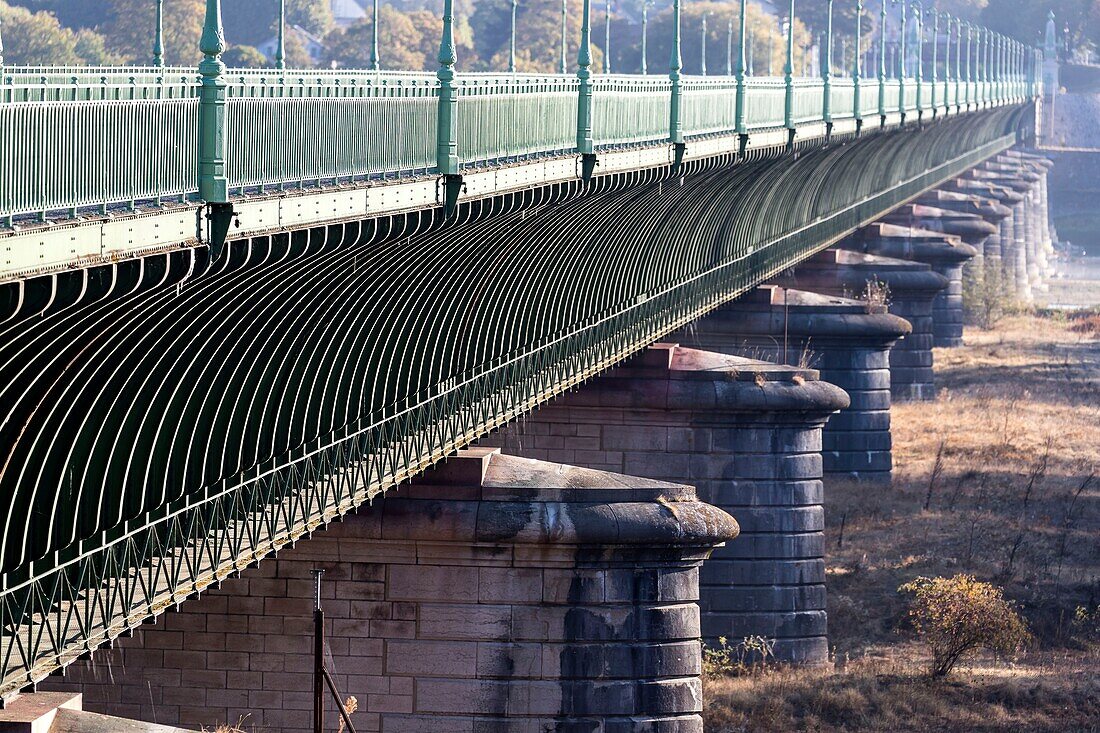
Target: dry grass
[1002, 461]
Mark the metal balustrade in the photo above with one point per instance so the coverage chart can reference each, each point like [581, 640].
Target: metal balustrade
[74, 138]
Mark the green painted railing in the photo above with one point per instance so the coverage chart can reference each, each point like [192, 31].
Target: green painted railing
[78, 138]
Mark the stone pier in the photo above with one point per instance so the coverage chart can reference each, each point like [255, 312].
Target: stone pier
[745, 432]
[848, 341]
[912, 288]
[1000, 248]
[1020, 266]
[980, 202]
[944, 253]
[493, 593]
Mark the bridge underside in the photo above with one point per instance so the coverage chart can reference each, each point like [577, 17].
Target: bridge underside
[169, 420]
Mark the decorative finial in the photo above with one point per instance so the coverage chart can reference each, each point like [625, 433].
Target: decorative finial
[212, 42]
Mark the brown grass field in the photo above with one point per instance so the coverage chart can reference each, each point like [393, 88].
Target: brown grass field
[1015, 501]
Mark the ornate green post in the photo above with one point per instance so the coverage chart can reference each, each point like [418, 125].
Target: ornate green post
[645, 36]
[564, 67]
[675, 65]
[158, 39]
[935, 57]
[827, 72]
[703, 48]
[918, 36]
[446, 151]
[882, 63]
[280, 42]
[958, 64]
[375, 63]
[739, 95]
[585, 146]
[729, 47]
[969, 66]
[512, 40]
[607, 37]
[213, 179]
[857, 68]
[788, 79]
[947, 65]
[902, 67]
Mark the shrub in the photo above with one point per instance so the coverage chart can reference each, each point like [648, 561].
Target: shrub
[958, 615]
[875, 295]
[724, 660]
[988, 299]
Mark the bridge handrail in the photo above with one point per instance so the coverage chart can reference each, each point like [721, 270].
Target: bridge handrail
[88, 124]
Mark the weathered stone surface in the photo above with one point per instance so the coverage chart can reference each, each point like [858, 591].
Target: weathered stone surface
[489, 593]
[846, 340]
[944, 253]
[748, 434]
[913, 288]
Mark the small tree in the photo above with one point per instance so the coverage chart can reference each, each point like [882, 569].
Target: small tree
[959, 615]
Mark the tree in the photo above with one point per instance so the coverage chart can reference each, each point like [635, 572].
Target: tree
[252, 22]
[400, 43]
[38, 39]
[244, 57]
[538, 39]
[130, 25]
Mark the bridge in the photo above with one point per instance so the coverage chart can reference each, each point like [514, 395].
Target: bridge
[238, 305]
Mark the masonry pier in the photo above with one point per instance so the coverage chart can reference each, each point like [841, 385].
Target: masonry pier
[848, 341]
[493, 593]
[747, 433]
[910, 288]
[944, 253]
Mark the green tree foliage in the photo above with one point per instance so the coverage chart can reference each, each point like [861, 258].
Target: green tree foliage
[130, 25]
[244, 57]
[538, 38]
[38, 39]
[252, 22]
[408, 41]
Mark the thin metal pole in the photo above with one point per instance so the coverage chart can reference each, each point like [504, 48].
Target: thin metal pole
[739, 99]
[882, 61]
[675, 65]
[729, 48]
[703, 47]
[158, 40]
[935, 55]
[645, 36]
[827, 66]
[918, 32]
[771, 53]
[788, 74]
[750, 70]
[318, 656]
[564, 34]
[969, 67]
[375, 62]
[857, 66]
[607, 37]
[512, 40]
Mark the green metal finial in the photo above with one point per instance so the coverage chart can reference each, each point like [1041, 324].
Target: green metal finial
[564, 68]
[788, 76]
[645, 36]
[447, 129]
[512, 40]
[703, 48]
[742, 66]
[1050, 42]
[375, 61]
[212, 41]
[158, 37]
[584, 100]
[280, 47]
[827, 70]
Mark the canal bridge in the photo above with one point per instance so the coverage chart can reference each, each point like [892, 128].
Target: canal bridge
[239, 304]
